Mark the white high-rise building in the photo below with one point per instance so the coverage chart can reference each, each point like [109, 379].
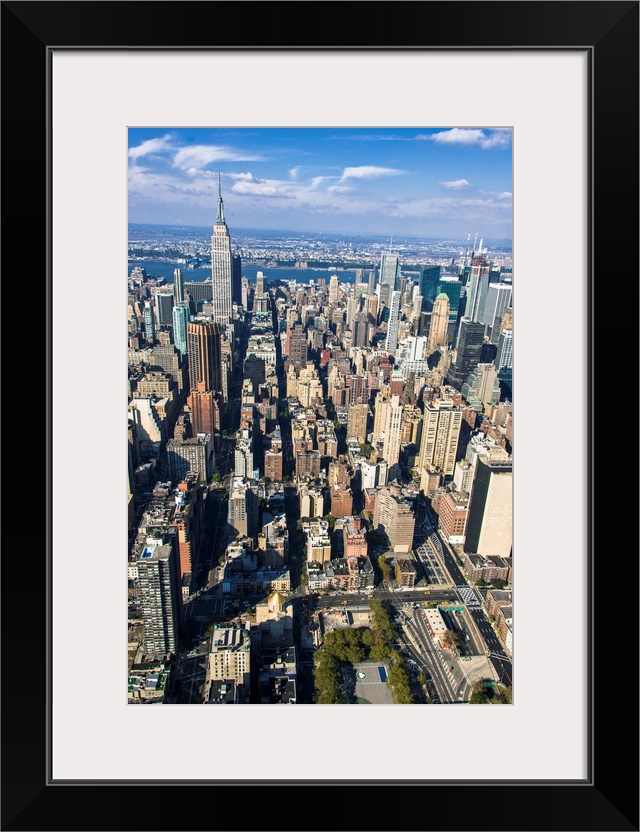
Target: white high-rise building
[221, 267]
[392, 326]
[440, 434]
[334, 289]
[390, 270]
[504, 356]
[498, 299]
[392, 431]
[477, 287]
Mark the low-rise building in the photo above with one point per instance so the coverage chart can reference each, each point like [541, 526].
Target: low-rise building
[435, 623]
[488, 569]
[496, 598]
[405, 572]
[230, 654]
[277, 678]
[148, 685]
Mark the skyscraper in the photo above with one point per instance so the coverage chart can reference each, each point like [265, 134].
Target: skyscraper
[357, 424]
[334, 289]
[390, 271]
[438, 336]
[353, 307]
[429, 276]
[504, 356]
[180, 321]
[204, 355]
[149, 326]
[452, 288]
[236, 279]
[440, 434]
[477, 287]
[498, 299]
[164, 308]
[392, 327]
[391, 446]
[489, 527]
[192, 454]
[206, 410]
[298, 347]
[159, 597]
[221, 266]
[242, 512]
[178, 286]
[468, 351]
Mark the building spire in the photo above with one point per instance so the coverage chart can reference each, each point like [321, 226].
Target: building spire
[220, 217]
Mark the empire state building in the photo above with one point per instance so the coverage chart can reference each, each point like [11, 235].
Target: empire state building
[221, 266]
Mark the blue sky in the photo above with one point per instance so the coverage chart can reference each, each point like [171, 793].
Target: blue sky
[433, 182]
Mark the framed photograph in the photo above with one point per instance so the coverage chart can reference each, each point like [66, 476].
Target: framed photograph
[563, 78]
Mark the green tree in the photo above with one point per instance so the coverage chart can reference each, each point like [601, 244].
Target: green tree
[498, 583]
[502, 695]
[481, 583]
[486, 692]
[453, 639]
[385, 569]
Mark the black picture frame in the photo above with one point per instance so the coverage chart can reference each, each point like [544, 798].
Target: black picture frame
[608, 798]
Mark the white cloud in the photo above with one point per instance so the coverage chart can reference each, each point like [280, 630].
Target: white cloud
[471, 137]
[339, 189]
[254, 187]
[241, 177]
[150, 146]
[316, 180]
[368, 172]
[293, 173]
[456, 184]
[201, 155]
[498, 194]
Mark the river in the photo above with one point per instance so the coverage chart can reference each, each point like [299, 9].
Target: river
[160, 268]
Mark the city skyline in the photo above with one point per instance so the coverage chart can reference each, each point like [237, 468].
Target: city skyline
[299, 453]
[432, 182]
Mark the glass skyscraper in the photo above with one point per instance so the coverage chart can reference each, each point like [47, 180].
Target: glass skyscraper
[452, 288]
[429, 277]
[180, 321]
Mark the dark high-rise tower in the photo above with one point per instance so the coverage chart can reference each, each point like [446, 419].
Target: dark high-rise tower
[298, 347]
[204, 355]
[429, 277]
[164, 308]
[468, 351]
[236, 279]
[221, 266]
